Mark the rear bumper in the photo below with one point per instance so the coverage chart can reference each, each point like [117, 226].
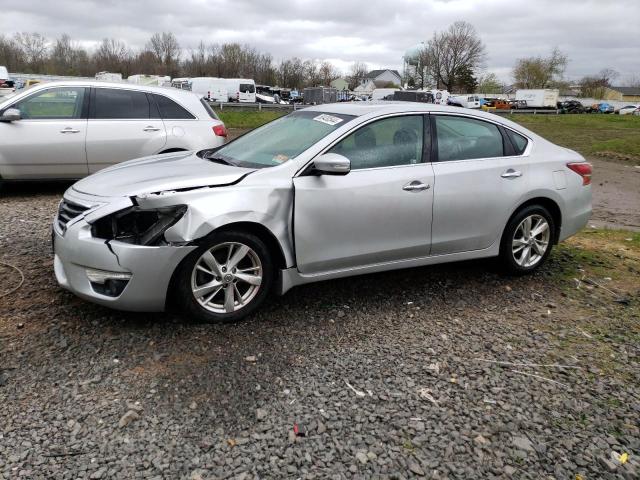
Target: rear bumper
[577, 212]
[151, 268]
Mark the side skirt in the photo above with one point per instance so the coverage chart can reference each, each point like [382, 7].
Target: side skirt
[291, 277]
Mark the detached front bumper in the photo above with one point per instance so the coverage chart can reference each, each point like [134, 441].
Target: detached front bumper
[150, 268]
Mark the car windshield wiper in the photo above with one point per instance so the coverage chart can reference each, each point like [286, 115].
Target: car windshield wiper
[219, 159]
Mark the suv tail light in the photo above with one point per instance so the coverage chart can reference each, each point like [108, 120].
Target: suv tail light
[583, 169]
[220, 130]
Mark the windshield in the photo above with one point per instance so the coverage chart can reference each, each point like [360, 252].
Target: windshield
[281, 140]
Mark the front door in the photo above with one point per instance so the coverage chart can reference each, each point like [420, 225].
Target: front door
[48, 142]
[379, 212]
[123, 125]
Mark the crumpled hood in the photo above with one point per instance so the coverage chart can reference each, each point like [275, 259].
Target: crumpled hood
[170, 171]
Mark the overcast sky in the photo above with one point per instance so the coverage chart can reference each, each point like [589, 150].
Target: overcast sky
[594, 33]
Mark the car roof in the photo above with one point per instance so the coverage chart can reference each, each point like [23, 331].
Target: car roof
[98, 83]
[377, 108]
[386, 107]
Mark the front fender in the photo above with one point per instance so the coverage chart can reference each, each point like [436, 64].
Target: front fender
[211, 208]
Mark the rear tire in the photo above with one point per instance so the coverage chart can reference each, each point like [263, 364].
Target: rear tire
[527, 240]
[226, 279]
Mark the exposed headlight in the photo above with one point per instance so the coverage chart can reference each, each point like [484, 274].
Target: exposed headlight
[137, 225]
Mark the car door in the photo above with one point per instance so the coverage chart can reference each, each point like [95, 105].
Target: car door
[379, 212]
[48, 142]
[123, 125]
[479, 178]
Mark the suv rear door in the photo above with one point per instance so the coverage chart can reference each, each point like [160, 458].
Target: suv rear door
[123, 125]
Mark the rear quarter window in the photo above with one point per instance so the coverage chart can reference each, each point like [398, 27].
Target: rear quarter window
[518, 141]
[208, 108]
[170, 110]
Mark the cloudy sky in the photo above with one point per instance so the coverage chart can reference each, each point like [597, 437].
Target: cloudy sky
[594, 33]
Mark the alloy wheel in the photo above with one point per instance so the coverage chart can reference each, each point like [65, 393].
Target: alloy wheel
[226, 277]
[531, 240]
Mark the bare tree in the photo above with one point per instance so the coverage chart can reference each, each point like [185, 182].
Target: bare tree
[112, 56]
[539, 72]
[69, 58]
[357, 73]
[327, 72]
[458, 51]
[33, 49]
[166, 48]
[594, 86]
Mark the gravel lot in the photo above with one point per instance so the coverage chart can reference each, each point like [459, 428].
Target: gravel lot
[385, 376]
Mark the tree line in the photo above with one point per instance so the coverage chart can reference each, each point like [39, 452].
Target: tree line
[452, 59]
[28, 52]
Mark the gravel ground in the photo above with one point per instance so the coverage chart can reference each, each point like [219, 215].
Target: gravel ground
[385, 376]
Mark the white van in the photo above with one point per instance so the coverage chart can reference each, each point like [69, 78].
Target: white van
[466, 101]
[214, 89]
[241, 90]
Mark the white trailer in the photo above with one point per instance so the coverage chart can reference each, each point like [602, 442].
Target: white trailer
[150, 80]
[235, 89]
[109, 77]
[539, 98]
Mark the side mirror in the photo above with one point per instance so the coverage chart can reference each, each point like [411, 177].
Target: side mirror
[332, 164]
[10, 115]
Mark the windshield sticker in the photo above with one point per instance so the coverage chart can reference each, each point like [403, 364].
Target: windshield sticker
[328, 119]
[280, 158]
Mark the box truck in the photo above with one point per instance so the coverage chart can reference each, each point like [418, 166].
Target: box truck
[538, 98]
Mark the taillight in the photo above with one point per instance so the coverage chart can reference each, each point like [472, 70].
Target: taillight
[220, 130]
[583, 169]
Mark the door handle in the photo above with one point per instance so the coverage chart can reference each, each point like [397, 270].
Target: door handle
[511, 173]
[416, 186]
[69, 130]
[150, 128]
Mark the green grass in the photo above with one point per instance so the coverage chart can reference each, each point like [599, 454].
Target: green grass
[247, 119]
[588, 134]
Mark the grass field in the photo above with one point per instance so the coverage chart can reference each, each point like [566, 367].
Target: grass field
[247, 119]
[612, 136]
[603, 135]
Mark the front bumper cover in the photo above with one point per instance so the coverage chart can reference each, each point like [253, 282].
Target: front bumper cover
[151, 268]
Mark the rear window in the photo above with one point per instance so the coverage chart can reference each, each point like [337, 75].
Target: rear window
[208, 108]
[519, 142]
[247, 87]
[116, 103]
[170, 110]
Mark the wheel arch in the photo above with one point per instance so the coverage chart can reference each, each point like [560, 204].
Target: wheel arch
[257, 229]
[549, 204]
[173, 150]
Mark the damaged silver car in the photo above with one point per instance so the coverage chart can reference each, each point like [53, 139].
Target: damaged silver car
[325, 192]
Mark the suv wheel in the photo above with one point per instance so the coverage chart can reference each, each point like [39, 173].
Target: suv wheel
[527, 240]
[226, 279]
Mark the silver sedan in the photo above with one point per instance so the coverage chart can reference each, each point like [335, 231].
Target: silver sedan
[325, 192]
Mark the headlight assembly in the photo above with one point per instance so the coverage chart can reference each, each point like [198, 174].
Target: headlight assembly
[137, 225]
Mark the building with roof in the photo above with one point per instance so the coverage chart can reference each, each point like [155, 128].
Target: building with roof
[622, 94]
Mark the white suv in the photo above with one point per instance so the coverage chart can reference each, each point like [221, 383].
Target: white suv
[68, 130]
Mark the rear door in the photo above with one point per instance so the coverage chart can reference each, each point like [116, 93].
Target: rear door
[123, 125]
[247, 92]
[480, 176]
[49, 140]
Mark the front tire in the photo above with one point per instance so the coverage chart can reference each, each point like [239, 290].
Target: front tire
[527, 240]
[226, 278]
